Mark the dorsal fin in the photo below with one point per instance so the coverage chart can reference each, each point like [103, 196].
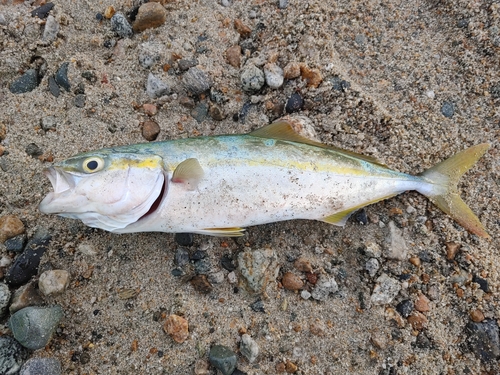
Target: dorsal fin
[282, 130]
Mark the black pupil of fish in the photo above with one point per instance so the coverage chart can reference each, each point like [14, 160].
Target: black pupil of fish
[91, 165]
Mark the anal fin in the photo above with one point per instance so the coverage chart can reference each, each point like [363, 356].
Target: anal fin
[223, 232]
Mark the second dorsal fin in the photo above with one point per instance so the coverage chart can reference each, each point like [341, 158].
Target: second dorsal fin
[283, 130]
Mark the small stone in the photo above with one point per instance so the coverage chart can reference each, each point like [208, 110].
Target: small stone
[202, 267]
[483, 284]
[26, 295]
[305, 294]
[379, 340]
[80, 100]
[282, 4]
[360, 217]
[448, 109]
[273, 75]
[294, 103]
[290, 367]
[452, 250]
[53, 282]
[185, 64]
[395, 244]
[339, 84]
[324, 287]
[184, 239]
[372, 266]
[26, 83]
[405, 308]
[16, 244]
[292, 70]
[181, 257]
[10, 226]
[33, 326]
[150, 130]
[495, 90]
[417, 320]
[54, 87]
[415, 261]
[360, 39]
[291, 281]
[177, 327]
[422, 303]
[216, 112]
[242, 29]
[258, 306]
[51, 29]
[61, 76]
[149, 109]
[477, 315]
[385, 291]
[48, 123]
[372, 249]
[4, 299]
[121, 26]
[223, 359]
[109, 12]
[216, 277]
[201, 367]
[423, 341]
[258, 267]
[312, 76]
[232, 278]
[199, 112]
[484, 340]
[87, 249]
[201, 284]
[196, 81]
[33, 150]
[148, 56]
[249, 348]
[41, 366]
[233, 56]
[150, 15]
[155, 87]
[12, 355]
[252, 78]
[303, 265]
[42, 12]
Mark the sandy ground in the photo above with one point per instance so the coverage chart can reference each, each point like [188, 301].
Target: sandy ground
[403, 61]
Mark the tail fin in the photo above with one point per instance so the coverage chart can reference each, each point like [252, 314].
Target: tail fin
[444, 193]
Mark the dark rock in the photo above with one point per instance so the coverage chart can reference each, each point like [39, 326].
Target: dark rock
[41, 366]
[339, 84]
[80, 89]
[26, 265]
[181, 257]
[426, 256]
[12, 355]
[184, 239]
[198, 255]
[42, 11]
[199, 112]
[258, 306]
[185, 64]
[80, 100]
[99, 16]
[121, 26]
[217, 96]
[54, 87]
[26, 83]
[201, 284]
[176, 272]
[483, 284]
[202, 266]
[222, 358]
[227, 263]
[16, 244]
[196, 81]
[244, 112]
[361, 217]
[89, 76]
[294, 103]
[495, 91]
[448, 109]
[463, 23]
[483, 339]
[405, 308]
[216, 113]
[62, 76]
[33, 150]
[423, 341]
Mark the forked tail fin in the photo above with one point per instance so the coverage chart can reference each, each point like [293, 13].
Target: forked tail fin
[444, 193]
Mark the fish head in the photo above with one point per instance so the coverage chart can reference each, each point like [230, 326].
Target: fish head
[105, 189]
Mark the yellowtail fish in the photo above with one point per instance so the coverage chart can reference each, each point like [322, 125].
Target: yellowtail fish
[219, 185]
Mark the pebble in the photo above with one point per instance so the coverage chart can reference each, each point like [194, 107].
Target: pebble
[233, 56]
[26, 83]
[476, 315]
[257, 267]
[201, 284]
[249, 348]
[483, 339]
[181, 257]
[150, 130]
[303, 265]
[360, 217]
[51, 29]
[395, 244]
[291, 367]
[258, 306]
[148, 57]
[232, 278]
[372, 266]
[121, 26]
[150, 15]
[273, 75]
[53, 282]
[405, 308]
[448, 109]
[33, 326]
[324, 287]
[282, 4]
[312, 76]
[339, 84]
[26, 295]
[252, 78]
[48, 123]
[177, 327]
[216, 277]
[422, 303]
[12, 355]
[33, 150]
[199, 112]
[4, 298]
[495, 91]
[10, 226]
[202, 267]
[379, 340]
[291, 281]
[184, 239]
[16, 244]
[241, 28]
[373, 249]
[483, 284]
[201, 367]
[42, 12]
[155, 87]
[41, 366]
[80, 100]
[216, 112]
[26, 265]
[196, 81]
[452, 250]
[305, 294]
[294, 103]
[109, 12]
[423, 341]
[53, 87]
[292, 70]
[61, 76]
[385, 291]
[185, 64]
[223, 359]
[149, 109]
[417, 320]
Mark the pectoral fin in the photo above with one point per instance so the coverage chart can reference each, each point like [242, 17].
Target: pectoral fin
[222, 232]
[189, 172]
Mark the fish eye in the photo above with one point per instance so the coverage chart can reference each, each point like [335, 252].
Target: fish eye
[93, 164]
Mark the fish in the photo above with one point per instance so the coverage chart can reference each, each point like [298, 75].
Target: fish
[219, 185]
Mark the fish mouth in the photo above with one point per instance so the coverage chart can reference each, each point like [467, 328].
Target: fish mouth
[61, 183]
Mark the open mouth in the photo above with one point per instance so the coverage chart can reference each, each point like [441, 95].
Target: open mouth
[156, 204]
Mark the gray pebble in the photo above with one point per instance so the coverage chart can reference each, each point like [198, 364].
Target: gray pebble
[305, 294]
[222, 358]
[258, 306]
[80, 100]
[4, 298]
[42, 12]
[199, 112]
[155, 87]
[48, 123]
[33, 326]
[324, 287]
[62, 76]
[41, 366]
[484, 340]
[12, 355]
[33, 150]
[181, 257]
[274, 75]
[16, 244]
[121, 26]
[216, 277]
[339, 84]
[385, 291]
[405, 308]
[148, 56]
[225, 3]
[196, 81]
[282, 4]
[249, 348]
[185, 64]
[54, 87]
[202, 266]
[258, 267]
[26, 83]
[395, 244]
[372, 266]
[252, 78]
[51, 29]
[495, 90]
[448, 109]
[3, 20]
[360, 39]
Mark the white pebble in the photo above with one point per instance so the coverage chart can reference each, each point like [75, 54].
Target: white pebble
[372, 266]
[51, 29]
[430, 94]
[232, 278]
[274, 75]
[385, 291]
[305, 294]
[53, 281]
